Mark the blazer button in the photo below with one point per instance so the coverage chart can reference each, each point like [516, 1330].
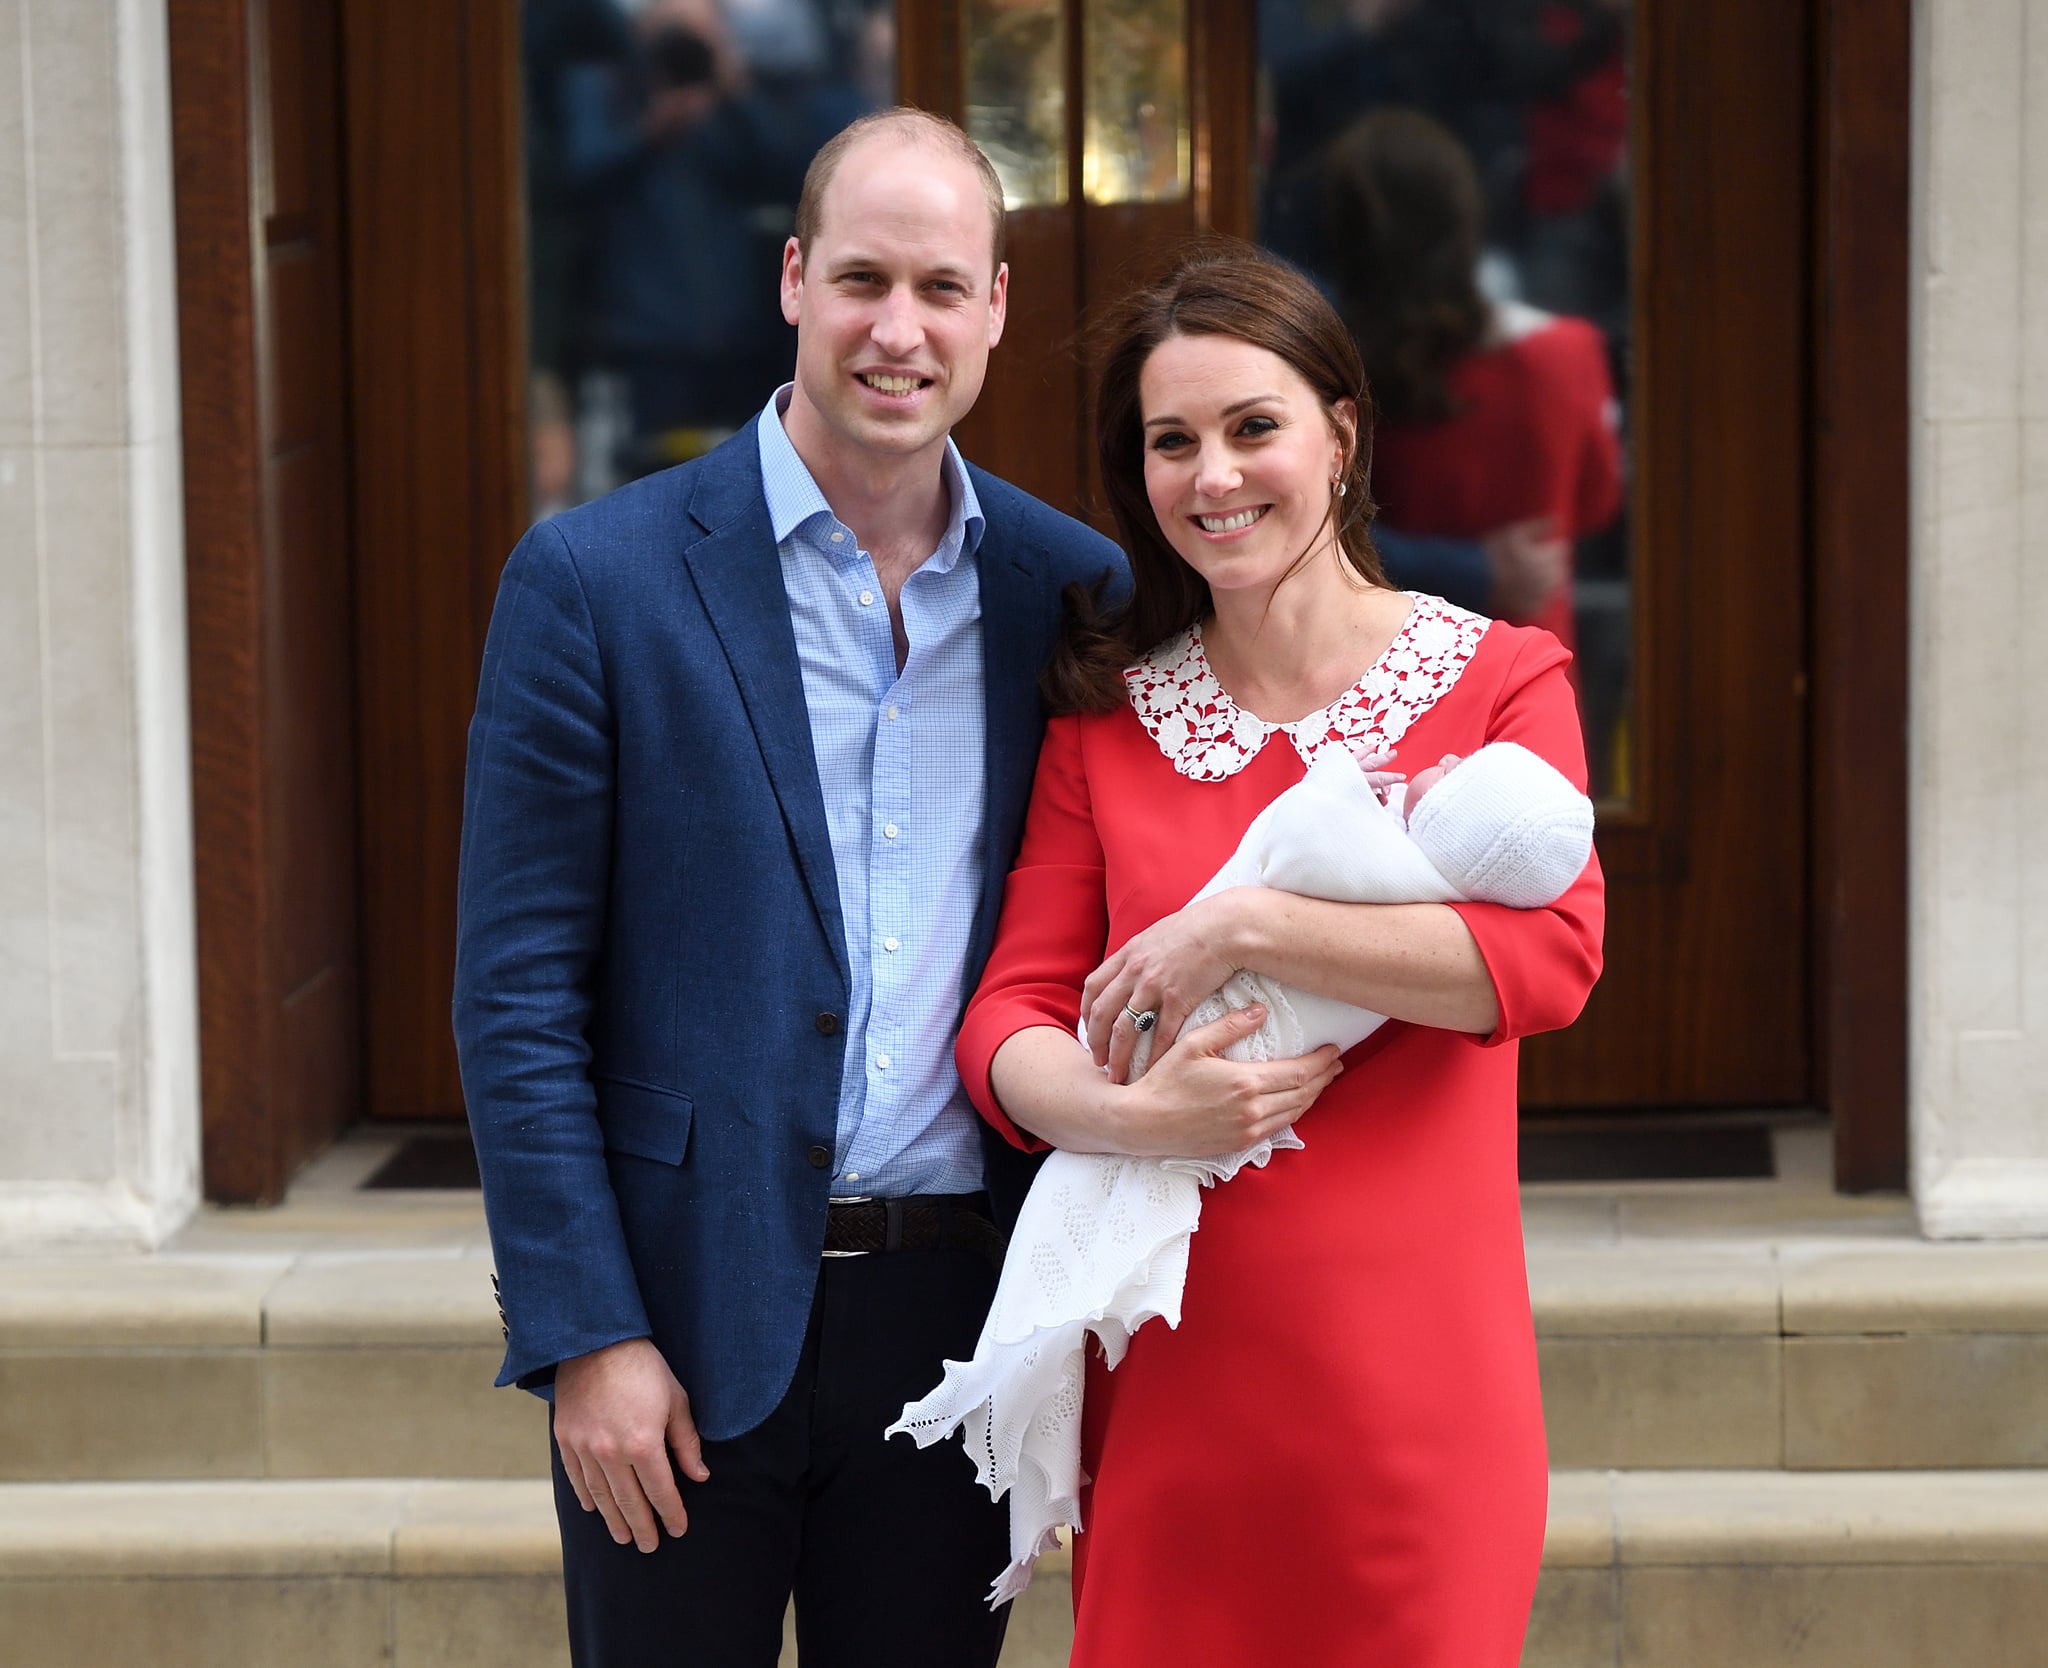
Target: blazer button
[828, 1025]
[820, 1156]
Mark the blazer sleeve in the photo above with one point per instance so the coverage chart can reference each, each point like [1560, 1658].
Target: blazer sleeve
[1053, 928]
[531, 906]
[1543, 962]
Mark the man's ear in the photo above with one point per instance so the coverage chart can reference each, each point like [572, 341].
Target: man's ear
[792, 281]
[998, 303]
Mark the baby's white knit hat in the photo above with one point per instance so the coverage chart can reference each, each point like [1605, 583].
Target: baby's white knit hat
[1505, 827]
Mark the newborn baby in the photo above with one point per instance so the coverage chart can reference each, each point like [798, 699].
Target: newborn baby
[1102, 1243]
[1501, 826]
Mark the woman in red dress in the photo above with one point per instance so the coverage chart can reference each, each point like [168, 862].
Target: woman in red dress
[1337, 1458]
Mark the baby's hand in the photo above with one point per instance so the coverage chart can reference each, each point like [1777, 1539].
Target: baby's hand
[1371, 760]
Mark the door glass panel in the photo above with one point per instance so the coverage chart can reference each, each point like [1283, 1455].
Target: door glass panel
[1136, 146]
[666, 143]
[1457, 178]
[1016, 103]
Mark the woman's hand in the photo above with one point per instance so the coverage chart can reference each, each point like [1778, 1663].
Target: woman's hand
[1193, 1103]
[1169, 969]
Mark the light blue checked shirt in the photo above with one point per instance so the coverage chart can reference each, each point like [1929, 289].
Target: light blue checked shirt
[900, 759]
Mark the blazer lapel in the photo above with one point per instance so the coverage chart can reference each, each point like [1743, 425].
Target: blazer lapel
[738, 575]
[1014, 644]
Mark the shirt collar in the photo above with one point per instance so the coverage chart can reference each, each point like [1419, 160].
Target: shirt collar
[794, 497]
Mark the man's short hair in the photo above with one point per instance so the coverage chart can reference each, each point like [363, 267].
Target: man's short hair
[918, 127]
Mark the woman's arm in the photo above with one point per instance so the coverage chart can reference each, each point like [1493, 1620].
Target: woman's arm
[1192, 1103]
[1417, 962]
[1486, 969]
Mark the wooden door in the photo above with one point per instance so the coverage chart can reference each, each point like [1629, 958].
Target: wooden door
[438, 417]
[1710, 996]
[1705, 999]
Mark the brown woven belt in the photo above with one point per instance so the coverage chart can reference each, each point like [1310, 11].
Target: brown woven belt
[923, 1222]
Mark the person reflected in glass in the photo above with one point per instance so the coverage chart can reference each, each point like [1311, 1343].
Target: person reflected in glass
[693, 157]
[1486, 415]
[1338, 1455]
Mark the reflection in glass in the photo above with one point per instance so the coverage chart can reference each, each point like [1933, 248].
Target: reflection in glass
[666, 143]
[1016, 104]
[1456, 176]
[1136, 146]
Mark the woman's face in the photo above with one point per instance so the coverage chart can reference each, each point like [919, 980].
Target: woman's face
[1239, 459]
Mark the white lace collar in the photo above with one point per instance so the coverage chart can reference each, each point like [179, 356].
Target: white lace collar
[1207, 736]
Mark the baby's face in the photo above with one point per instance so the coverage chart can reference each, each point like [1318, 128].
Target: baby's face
[1424, 780]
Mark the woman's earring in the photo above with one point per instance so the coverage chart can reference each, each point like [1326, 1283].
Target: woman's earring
[1340, 485]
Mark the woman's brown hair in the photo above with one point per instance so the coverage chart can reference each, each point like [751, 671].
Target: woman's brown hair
[1220, 288]
[1405, 214]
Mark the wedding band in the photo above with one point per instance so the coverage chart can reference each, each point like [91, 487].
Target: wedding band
[1142, 1021]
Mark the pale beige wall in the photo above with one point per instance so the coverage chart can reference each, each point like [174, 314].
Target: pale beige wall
[98, 1035]
[1979, 671]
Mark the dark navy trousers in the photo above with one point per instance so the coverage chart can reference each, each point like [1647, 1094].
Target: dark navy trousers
[889, 1549]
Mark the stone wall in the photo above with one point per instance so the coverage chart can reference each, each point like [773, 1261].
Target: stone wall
[1979, 675]
[98, 1034]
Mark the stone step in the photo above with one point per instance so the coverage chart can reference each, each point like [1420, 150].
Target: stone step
[1821, 1354]
[1808, 1355]
[1718, 1569]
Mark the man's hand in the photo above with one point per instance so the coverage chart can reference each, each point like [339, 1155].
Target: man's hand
[618, 1413]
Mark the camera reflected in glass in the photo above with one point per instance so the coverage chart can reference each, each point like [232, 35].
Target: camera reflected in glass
[666, 143]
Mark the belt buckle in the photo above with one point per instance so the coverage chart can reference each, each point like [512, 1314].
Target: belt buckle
[847, 1199]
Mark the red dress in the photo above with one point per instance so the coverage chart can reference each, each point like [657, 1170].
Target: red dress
[1338, 1458]
[1533, 434]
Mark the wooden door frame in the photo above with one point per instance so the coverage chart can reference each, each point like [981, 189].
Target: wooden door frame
[212, 69]
[258, 251]
[1857, 569]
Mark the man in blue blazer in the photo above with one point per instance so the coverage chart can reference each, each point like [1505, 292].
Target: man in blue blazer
[751, 753]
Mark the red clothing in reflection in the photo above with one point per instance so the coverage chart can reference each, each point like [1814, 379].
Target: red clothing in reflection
[1533, 434]
[1576, 140]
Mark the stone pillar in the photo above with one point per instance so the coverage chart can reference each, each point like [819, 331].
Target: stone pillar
[1979, 672]
[99, 1118]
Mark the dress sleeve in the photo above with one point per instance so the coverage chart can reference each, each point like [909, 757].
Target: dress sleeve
[1053, 928]
[1543, 962]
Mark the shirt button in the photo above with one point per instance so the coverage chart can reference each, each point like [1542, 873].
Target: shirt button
[881, 1062]
[889, 944]
[838, 538]
[820, 1156]
[827, 1024]
[889, 830]
[867, 599]
[853, 1175]
[892, 714]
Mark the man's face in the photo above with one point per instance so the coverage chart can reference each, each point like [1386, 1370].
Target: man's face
[895, 307]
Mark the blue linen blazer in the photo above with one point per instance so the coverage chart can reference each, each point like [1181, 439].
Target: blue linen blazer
[651, 971]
